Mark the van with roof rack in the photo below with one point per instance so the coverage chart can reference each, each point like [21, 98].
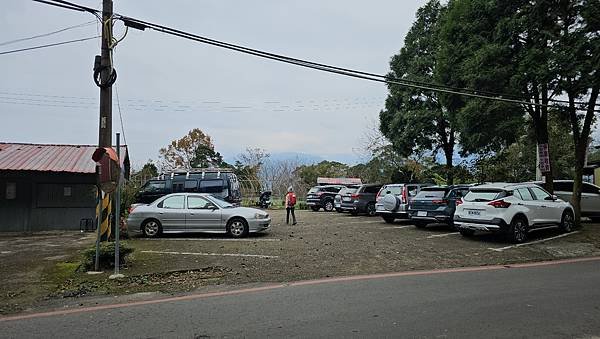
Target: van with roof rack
[221, 183]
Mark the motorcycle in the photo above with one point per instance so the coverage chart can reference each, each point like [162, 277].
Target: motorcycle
[264, 200]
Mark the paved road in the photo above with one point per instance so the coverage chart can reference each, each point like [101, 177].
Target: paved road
[545, 301]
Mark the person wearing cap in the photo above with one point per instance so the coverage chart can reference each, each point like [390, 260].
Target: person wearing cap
[290, 203]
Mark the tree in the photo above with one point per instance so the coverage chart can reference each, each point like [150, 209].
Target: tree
[576, 47]
[329, 169]
[414, 119]
[500, 47]
[248, 164]
[193, 150]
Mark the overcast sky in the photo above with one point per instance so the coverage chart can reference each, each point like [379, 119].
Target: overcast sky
[168, 85]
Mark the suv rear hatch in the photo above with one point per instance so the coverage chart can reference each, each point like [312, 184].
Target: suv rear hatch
[484, 204]
[430, 199]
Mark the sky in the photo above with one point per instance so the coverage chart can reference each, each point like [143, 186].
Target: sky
[167, 85]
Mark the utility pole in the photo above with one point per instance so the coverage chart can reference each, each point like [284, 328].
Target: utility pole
[105, 68]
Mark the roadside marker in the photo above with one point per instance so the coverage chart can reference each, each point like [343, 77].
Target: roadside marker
[442, 235]
[532, 242]
[215, 254]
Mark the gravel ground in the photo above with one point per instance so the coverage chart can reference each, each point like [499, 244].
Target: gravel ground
[320, 245]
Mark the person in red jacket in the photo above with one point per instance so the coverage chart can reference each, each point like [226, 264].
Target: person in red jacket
[290, 203]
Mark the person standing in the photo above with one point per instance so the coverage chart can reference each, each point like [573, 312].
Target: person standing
[290, 204]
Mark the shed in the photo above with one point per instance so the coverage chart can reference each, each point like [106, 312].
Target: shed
[48, 187]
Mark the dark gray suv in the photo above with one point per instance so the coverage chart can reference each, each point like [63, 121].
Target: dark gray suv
[361, 201]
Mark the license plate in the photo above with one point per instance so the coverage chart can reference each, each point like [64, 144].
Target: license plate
[421, 213]
[474, 212]
[346, 199]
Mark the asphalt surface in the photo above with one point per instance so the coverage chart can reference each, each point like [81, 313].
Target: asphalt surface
[549, 301]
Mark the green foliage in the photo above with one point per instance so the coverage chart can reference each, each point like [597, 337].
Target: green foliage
[416, 120]
[107, 255]
[195, 149]
[330, 169]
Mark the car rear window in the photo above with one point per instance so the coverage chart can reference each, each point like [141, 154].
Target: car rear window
[484, 195]
[432, 193]
[314, 190]
[395, 190]
[347, 190]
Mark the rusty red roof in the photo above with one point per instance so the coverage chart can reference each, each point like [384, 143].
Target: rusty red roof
[49, 158]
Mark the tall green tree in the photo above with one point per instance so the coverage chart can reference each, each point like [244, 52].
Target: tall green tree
[576, 52]
[416, 120]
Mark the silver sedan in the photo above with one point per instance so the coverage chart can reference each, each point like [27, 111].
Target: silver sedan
[194, 212]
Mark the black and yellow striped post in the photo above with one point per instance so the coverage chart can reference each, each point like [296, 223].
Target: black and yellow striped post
[104, 211]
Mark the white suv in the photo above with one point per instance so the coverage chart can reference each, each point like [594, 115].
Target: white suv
[514, 209]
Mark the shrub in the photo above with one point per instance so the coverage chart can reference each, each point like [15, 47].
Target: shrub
[107, 255]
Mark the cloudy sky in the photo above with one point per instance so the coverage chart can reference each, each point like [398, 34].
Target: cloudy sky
[167, 85]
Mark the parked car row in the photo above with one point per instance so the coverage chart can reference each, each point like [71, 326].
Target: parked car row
[514, 209]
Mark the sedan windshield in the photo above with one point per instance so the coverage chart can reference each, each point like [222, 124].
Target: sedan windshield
[221, 203]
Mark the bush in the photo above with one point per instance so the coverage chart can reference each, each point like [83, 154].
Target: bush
[107, 255]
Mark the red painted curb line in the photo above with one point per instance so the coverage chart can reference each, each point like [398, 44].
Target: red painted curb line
[293, 284]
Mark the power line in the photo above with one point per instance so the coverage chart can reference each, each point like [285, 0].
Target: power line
[48, 45]
[140, 24]
[48, 34]
[120, 115]
[333, 69]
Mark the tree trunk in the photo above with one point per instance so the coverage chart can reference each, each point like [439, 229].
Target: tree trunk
[577, 187]
[448, 153]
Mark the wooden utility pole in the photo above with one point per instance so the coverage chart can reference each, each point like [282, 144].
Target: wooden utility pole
[106, 73]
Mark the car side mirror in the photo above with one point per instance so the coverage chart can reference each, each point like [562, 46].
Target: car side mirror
[552, 197]
[212, 207]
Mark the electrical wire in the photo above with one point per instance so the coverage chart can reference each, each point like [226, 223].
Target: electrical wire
[48, 34]
[120, 115]
[324, 67]
[48, 45]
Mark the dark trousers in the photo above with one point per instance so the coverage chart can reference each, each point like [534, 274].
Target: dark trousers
[287, 218]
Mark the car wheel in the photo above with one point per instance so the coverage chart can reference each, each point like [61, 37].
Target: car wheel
[328, 207]
[371, 209]
[389, 220]
[466, 232]
[567, 224]
[314, 208]
[517, 232]
[237, 228]
[420, 224]
[151, 228]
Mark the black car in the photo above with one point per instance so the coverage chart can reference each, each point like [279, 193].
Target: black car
[322, 197]
[361, 201]
[436, 204]
[222, 184]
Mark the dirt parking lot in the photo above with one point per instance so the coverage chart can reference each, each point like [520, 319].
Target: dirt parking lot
[321, 245]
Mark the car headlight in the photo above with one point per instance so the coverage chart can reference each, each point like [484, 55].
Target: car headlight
[261, 216]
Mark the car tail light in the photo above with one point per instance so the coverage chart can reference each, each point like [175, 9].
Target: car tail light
[378, 197]
[499, 204]
[355, 196]
[459, 202]
[404, 195]
[439, 202]
[131, 208]
[320, 193]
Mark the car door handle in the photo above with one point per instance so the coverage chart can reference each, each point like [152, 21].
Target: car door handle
[519, 204]
[544, 206]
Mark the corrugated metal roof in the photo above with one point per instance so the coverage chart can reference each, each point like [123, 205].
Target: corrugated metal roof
[49, 158]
